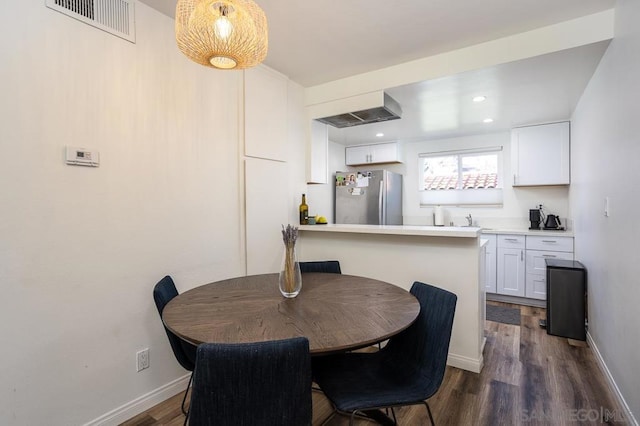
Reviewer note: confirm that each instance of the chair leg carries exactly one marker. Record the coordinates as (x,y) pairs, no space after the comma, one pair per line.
(184,398)
(353,415)
(430,415)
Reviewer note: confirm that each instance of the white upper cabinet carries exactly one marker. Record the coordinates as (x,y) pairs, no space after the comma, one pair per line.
(265,114)
(540,154)
(373,154)
(356,154)
(318,153)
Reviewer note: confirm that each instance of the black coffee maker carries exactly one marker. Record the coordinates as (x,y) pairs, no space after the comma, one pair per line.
(535,217)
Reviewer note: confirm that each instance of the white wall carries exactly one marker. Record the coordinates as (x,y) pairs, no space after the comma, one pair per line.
(81,248)
(605,154)
(449,263)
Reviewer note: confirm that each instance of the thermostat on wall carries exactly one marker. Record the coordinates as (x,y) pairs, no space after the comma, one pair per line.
(82,157)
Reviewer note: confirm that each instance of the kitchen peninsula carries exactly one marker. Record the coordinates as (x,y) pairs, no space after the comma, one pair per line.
(447,257)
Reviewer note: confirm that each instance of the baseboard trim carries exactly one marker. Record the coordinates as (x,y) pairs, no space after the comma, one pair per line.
(612,383)
(141,404)
(465,363)
(516,300)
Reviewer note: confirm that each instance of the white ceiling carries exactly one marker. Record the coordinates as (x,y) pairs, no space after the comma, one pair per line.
(313,42)
(542,89)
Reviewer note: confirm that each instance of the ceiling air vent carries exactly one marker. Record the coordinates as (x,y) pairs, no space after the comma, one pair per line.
(113,16)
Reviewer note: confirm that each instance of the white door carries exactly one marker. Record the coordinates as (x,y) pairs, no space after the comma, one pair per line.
(357,155)
(540,154)
(511,272)
(265,114)
(267,209)
(384,153)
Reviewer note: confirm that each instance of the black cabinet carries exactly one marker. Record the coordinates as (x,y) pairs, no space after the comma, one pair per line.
(566,294)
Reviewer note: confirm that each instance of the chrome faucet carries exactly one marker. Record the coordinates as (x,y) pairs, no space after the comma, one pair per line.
(470,219)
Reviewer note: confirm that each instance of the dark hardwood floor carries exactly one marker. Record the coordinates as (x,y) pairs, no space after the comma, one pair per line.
(529,378)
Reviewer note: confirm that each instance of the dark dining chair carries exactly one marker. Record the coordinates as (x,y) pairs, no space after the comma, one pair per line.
(407,371)
(185,353)
(328,266)
(252,384)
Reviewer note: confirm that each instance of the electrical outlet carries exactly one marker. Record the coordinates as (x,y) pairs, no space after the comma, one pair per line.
(142,359)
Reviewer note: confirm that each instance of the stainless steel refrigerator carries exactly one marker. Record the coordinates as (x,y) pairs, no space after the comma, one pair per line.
(369,198)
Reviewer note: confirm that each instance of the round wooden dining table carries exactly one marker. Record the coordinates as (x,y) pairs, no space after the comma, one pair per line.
(335,312)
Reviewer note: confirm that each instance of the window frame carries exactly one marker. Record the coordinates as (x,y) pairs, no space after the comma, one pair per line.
(484,197)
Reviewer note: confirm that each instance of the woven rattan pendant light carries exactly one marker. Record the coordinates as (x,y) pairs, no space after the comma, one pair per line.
(224,34)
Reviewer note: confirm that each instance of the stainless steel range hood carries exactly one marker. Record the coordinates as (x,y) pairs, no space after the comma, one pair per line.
(388,110)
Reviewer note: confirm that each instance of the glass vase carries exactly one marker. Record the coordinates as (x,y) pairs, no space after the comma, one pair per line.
(290,279)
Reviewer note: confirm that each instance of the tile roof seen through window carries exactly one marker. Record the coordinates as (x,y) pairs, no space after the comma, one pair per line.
(469,181)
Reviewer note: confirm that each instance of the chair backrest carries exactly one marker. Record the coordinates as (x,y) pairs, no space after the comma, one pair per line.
(261,384)
(185,353)
(328,266)
(422,348)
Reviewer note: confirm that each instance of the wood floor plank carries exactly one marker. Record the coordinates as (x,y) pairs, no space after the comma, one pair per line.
(529,378)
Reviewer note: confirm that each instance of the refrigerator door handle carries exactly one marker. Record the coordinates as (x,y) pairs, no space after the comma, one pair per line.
(381,215)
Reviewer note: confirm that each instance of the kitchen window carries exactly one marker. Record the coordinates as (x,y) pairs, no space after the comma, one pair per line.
(462,177)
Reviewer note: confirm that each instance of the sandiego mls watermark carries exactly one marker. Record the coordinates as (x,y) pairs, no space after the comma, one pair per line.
(602,415)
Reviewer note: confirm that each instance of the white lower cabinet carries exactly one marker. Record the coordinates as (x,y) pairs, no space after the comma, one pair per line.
(511,265)
(516,264)
(539,249)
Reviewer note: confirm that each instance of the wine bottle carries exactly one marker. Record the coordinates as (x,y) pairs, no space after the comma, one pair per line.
(304,211)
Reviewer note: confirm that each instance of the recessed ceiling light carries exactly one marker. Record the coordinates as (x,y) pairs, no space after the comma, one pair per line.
(379,135)
(488,120)
(479,98)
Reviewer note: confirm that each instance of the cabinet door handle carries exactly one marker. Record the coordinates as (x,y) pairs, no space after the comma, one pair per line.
(548,255)
(549,241)
(521,254)
(511,239)
(514,179)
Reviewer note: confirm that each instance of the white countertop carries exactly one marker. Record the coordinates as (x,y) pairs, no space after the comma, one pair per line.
(425,231)
(520,231)
(431,231)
